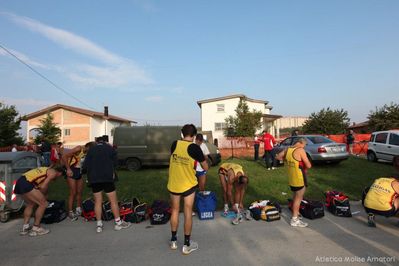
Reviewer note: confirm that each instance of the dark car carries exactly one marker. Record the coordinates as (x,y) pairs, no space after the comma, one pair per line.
(319,148)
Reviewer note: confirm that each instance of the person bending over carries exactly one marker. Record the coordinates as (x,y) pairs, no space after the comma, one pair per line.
(232,175)
(382,197)
(33,187)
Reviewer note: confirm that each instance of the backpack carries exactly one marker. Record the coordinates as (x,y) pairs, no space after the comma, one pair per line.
(55,212)
(205,203)
(311,209)
(266,210)
(159,212)
(338,203)
(107,214)
(88,210)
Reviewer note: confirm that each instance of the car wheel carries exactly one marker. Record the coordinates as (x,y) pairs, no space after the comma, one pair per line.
(133,164)
(371,156)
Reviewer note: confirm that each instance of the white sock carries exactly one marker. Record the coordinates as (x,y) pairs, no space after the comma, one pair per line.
(118,221)
(26,226)
(100,223)
(294,218)
(78,209)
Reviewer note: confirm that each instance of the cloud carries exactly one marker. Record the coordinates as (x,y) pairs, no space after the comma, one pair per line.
(23,57)
(154,99)
(147,5)
(115,70)
(25,102)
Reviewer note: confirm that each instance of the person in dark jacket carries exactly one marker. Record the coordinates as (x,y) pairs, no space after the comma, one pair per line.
(99,164)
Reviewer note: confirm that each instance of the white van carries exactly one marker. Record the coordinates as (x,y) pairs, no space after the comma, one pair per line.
(383,145)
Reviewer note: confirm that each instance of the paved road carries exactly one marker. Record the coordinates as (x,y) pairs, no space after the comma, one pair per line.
(342,240)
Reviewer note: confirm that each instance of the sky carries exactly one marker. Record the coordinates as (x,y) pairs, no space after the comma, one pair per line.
(151,61)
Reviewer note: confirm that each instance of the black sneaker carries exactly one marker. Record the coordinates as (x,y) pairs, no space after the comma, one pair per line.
(370,220)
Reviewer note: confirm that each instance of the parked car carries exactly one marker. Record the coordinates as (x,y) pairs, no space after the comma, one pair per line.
(150,145)
(319,148)
(383,145)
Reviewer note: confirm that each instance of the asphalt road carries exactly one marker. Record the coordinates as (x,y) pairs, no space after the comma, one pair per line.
(329,240)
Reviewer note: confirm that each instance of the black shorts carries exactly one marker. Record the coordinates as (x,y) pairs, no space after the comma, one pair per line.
(185,193)
(391,212)
(107,187)
(77,174)
(296,188)
(23,186)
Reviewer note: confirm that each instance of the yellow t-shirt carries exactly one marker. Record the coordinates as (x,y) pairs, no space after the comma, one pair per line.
(296,173)
(181,169)
(224,168)
(36,176)
(381,195)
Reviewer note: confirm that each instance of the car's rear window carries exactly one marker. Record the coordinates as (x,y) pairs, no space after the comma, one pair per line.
(319,140)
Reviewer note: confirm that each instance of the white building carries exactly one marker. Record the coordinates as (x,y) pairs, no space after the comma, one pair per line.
(215,111)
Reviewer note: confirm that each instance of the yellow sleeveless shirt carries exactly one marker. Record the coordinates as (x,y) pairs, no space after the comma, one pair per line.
(224,168)
(75,159)
(36,176)
(181,169)
(295,173)
(381,195)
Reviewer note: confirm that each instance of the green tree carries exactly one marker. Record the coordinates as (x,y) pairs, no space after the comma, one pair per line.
(245,123)
(327,121)
(48,130)
(384,118)
(10,123)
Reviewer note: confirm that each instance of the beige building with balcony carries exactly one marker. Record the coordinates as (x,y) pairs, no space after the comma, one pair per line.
(78,126)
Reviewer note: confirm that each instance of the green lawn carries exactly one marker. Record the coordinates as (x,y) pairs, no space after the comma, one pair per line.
(350,176)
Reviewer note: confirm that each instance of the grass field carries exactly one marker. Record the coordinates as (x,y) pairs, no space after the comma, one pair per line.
(349,176)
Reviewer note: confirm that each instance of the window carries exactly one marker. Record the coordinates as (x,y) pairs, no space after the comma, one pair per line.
(220,107)
(220,126)
(381,138)
(394,139)
(67,132)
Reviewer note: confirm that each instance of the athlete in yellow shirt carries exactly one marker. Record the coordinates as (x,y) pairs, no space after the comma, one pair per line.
(232,175)
(297,164)
(383,196)
(33,186)
(182,183)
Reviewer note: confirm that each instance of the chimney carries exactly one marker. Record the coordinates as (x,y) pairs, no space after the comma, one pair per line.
(106,111)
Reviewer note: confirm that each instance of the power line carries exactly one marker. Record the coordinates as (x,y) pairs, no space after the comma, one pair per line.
(45,78)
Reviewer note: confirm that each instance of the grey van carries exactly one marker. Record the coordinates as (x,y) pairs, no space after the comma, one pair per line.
(150,145)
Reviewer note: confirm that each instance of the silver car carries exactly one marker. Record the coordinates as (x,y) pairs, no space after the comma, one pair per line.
(319,148)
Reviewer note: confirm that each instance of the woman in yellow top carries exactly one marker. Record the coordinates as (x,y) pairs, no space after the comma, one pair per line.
(297,163)
(383,196)
(232,175)
(33,186)
(72,160)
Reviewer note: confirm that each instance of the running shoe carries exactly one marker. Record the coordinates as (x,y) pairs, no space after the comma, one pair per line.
(72,216)
(99,228)
(298,223)
(122,225)
(173,245)
(25,230)
(370,220)
(188,249)
(38,231)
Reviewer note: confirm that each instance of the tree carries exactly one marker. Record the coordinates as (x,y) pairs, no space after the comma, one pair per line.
(384,118)
(245,123)
(9,126)
(327,121)
(48,130)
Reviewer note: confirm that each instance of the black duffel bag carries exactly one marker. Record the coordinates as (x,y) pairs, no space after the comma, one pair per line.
(159,212)
(310,209)
(55,212)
